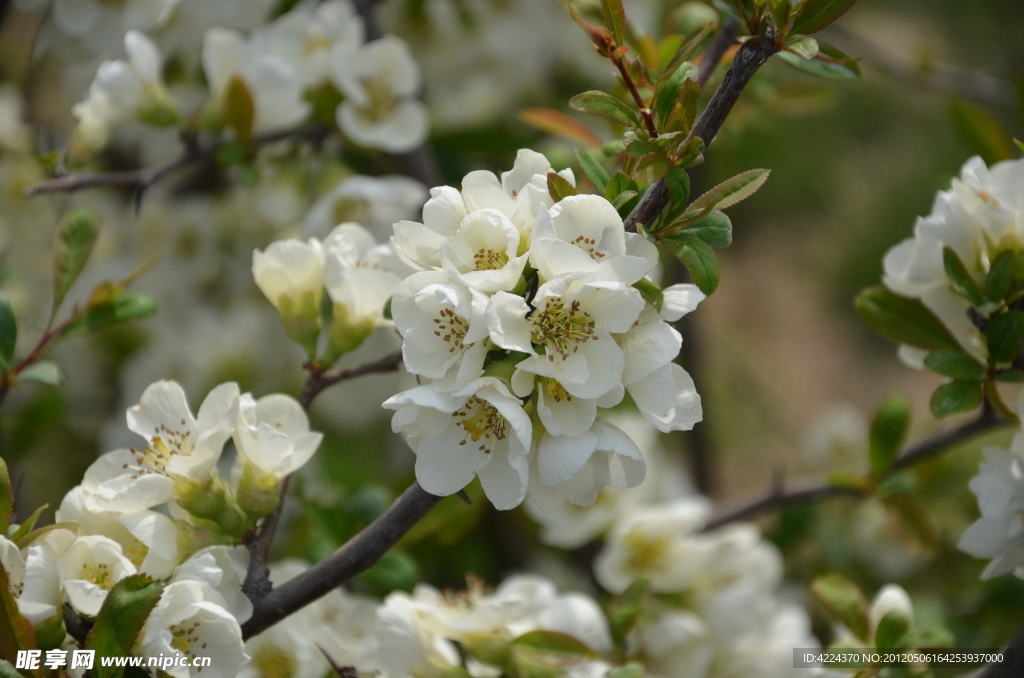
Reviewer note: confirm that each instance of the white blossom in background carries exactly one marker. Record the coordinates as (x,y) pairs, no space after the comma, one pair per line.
(123,91)
(273,86)
(979,217)
(99,24)
(374,202)
(222,569)
(998,534)
(380,81)
(304,38)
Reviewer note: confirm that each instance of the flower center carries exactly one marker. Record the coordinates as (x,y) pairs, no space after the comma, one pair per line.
(452,329)
(136,552)
(315,44)
(351,208)
(381,101)
(562,328)
(98,574)
(184,636)
(489,260)
(588,245)
(164,445)
(645,552)
(482,423)
(271,661)
(555,390)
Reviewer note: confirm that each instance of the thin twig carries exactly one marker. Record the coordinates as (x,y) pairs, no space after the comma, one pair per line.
(780,497)
(356,556)
(750,57)
(257,577)
(627,79)
(724,39)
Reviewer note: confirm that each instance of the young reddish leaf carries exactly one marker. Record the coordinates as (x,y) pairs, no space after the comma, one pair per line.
(615,19)
(560,125)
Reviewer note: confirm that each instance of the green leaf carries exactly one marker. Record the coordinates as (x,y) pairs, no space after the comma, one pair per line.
(730,191)
(8,332)
(956,396)
(669,89)
(903,320)
(1010,376)
(44,372)
(650,292)
(559,187)
(72,244)
(623,198)
(6,498)
(687,49)
(685,110)
(888,431)
(123,308)
(120,620)
(606,106)
(625,610)
(619,183)
(803,46)
(615,19)
(552,642)
(780,14)
(395,571)
(678,183)
(982,132)
(15,631)
(698,258)
(814,15)
(960,276)
(927,637)
(891,629)
(1005,336)
(652,167)
(829,63)
(593,169)
(715,229)
(239,111)
(1000,277)
(29,524)
(844,601)
(7,670)
(955,364)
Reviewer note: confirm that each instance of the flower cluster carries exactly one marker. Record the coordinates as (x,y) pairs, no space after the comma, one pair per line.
(270,80)
(531,317)
(359,276)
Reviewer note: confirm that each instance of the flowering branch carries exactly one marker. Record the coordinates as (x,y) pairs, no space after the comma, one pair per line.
(750,57)
(779,497)
(645,111)
(257,577)
(361,552)
(33,356)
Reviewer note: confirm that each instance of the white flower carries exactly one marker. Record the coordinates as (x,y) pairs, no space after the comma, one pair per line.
(519,195)
(290,273)
(303,38)
(481,430)
(577,468)
(88,569)
(274,88)
(374,202)
(189,619)
(572,322)
(273,436)
(123,90)
(40,597)
(82,18)
(148,539)
(179,447)
(484,252)
(999,533)
(981,216)
(443,326)
(406,647)
(223,569)
(380,80)
(583,231)
(360,276)
(891,598)
(14,565)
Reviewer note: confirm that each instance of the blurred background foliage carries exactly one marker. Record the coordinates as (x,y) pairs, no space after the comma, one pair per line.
(787,372)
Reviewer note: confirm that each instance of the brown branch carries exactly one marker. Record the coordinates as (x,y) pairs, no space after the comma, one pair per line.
(780,497)
(724,39)
(318,381)
(142,179)
(750,57)
(645,112)
(356,556)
